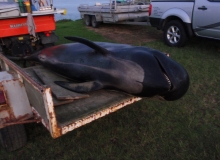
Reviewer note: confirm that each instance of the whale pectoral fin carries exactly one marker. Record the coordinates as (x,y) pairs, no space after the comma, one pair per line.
(80,87)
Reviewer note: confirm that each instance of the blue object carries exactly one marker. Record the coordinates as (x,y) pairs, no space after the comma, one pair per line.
(33,8)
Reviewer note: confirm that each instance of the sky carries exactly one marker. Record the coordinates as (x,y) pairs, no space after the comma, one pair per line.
(71,6)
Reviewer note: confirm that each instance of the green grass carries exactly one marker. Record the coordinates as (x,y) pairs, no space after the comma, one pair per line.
(75,28)
(188,128)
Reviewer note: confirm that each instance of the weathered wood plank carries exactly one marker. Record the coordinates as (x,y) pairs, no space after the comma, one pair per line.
(60,93)
(97,101)
(59,103)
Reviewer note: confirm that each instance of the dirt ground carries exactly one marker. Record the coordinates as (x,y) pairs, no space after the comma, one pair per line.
(128,34)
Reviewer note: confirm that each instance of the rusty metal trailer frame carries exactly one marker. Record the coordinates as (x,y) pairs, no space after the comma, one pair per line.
(52,117)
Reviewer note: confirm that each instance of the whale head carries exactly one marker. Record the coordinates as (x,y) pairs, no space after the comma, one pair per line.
(175,75)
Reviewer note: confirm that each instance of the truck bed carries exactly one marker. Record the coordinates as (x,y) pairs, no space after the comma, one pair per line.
(59,115)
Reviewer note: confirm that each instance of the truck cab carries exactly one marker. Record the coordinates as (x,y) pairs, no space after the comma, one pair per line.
(180,20)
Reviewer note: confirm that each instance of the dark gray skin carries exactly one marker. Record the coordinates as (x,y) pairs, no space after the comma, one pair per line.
(139,71)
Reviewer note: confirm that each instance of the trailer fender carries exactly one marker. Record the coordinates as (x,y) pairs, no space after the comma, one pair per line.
(97,16)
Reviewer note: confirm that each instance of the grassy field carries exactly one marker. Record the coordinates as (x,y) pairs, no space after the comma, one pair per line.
(188,128)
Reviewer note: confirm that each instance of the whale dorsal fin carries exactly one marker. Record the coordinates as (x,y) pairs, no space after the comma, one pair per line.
(90,44)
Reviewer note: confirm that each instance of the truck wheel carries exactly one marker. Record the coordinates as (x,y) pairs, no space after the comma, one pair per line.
(174,34)
(95,24)
(13,137)
(87,20)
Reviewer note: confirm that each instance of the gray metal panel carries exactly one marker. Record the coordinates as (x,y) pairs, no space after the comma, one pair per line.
(8,5)
(34,90)
(206,22)
(36,100)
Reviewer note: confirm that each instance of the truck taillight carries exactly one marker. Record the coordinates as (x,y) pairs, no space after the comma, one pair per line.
(2,98)
(150,9)
(47,34)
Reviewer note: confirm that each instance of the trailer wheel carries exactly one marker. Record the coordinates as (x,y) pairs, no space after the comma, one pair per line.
(13,137)
(95,24)
(174,34)
(87,19)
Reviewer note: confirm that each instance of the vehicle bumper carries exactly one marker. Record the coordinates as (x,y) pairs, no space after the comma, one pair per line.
(156,22)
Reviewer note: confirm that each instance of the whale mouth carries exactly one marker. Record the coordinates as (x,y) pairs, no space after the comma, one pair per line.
(174,76)
(168,80)
(165,75)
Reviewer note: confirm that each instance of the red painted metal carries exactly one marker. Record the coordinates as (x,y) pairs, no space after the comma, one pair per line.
(18,26)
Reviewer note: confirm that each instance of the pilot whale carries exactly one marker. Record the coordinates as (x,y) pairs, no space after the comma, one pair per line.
(139,71)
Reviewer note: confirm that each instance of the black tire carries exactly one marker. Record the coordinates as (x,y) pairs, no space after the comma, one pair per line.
(95,24)
(87,19)
(13,137)
(174,34)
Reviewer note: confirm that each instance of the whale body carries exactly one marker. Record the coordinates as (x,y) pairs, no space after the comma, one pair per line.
(139,71)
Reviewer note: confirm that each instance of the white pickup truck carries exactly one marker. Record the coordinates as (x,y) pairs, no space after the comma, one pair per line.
(180,19)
